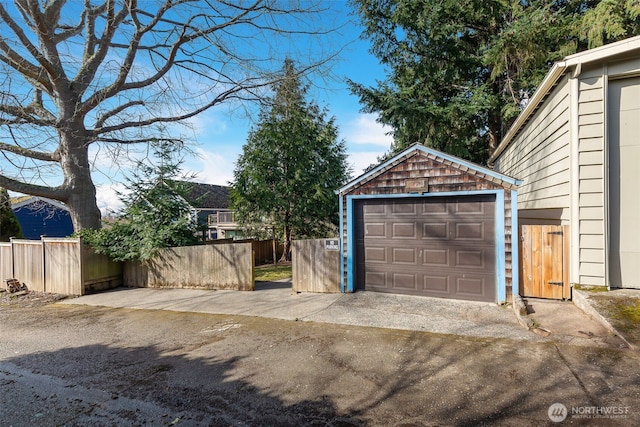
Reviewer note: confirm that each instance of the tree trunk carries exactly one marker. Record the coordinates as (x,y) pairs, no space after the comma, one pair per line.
(286,252)
(83,207)
(78,185)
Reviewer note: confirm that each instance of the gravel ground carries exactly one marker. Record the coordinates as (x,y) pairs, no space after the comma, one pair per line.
(28,299)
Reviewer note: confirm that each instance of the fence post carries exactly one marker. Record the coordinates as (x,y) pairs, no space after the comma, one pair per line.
(13,262)
(81,258)
(44,264)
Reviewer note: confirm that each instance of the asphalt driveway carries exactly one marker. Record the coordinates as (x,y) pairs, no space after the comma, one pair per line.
(82,365)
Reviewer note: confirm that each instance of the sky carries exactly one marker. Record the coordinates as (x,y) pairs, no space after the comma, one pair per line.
(221,134)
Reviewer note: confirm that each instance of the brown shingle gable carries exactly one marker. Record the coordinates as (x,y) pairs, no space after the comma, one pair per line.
(208,196)
(423,161)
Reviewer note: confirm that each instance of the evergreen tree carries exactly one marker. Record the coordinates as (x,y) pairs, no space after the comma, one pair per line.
(156,215)
(9,225)
(460,72)
(290,167)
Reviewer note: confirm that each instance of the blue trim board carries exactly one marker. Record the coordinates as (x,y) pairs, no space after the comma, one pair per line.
(501,281)
(409,195)
(499,233)
(515,245)
(341,228)
(350,246)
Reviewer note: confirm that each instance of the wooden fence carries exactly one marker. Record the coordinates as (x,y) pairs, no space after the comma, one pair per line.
(263,249)
(315,265)
(216,266)
(58,265)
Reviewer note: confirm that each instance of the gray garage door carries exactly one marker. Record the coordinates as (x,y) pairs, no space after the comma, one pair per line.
(431,246)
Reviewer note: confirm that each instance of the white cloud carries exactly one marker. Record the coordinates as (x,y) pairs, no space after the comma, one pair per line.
(362,160)
(107,198)
(207,123)
(213,168)
(365,130)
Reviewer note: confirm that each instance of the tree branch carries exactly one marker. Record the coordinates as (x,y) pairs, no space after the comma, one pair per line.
(57,193)
(229,94)
(32,154)
(49,67)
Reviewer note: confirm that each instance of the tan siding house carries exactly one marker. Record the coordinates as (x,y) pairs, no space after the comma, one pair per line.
(576,147)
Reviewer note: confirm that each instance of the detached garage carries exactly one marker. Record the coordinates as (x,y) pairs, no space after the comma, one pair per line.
(431,224)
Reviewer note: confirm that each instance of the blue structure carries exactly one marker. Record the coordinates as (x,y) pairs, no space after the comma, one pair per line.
(42,217)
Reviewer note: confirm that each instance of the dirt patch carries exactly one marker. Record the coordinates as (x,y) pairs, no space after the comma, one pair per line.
(622,311)
(28,299)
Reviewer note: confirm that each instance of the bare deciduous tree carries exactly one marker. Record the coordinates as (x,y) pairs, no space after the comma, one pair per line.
(115,73)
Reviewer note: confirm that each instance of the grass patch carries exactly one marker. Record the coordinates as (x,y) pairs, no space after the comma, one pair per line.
(271,273)
(628,312)
(591,288)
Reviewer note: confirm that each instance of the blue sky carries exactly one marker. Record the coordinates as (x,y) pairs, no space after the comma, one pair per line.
(221,133)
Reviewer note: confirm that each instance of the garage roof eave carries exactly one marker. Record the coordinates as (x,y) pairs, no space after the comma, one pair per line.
(414,149)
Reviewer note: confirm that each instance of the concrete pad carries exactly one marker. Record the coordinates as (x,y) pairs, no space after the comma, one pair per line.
(277,303)
(568,323)
(276,300)
(426,314)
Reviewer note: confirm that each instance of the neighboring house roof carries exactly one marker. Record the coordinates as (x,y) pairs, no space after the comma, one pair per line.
(208,196)
(39,216)
(456,162)
(558,70)
(20,201)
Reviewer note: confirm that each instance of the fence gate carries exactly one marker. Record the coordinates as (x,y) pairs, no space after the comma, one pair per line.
(544,263)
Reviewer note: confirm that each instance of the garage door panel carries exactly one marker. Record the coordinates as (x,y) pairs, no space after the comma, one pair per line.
(403,230)
(470,259)
(471,287)
(436,284)
(399,208)
(470,231)
(374,254)
(373,209)
(435,208)
(446,248)
(435,230)
(406,256)
(375,229)
(469,208)
(435,257)
(404,281)
(376,279)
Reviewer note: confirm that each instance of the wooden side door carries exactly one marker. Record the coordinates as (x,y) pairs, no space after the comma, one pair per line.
(544,267)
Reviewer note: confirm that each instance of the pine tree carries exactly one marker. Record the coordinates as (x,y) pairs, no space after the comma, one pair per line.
(9,225)
(460,72)
(156,212)
(290,167)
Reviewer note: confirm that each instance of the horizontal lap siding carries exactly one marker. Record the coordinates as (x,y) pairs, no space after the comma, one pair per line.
(591,159)
(539,155)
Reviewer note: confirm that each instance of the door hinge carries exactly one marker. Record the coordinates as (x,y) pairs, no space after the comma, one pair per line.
(559,233)
(556,283)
